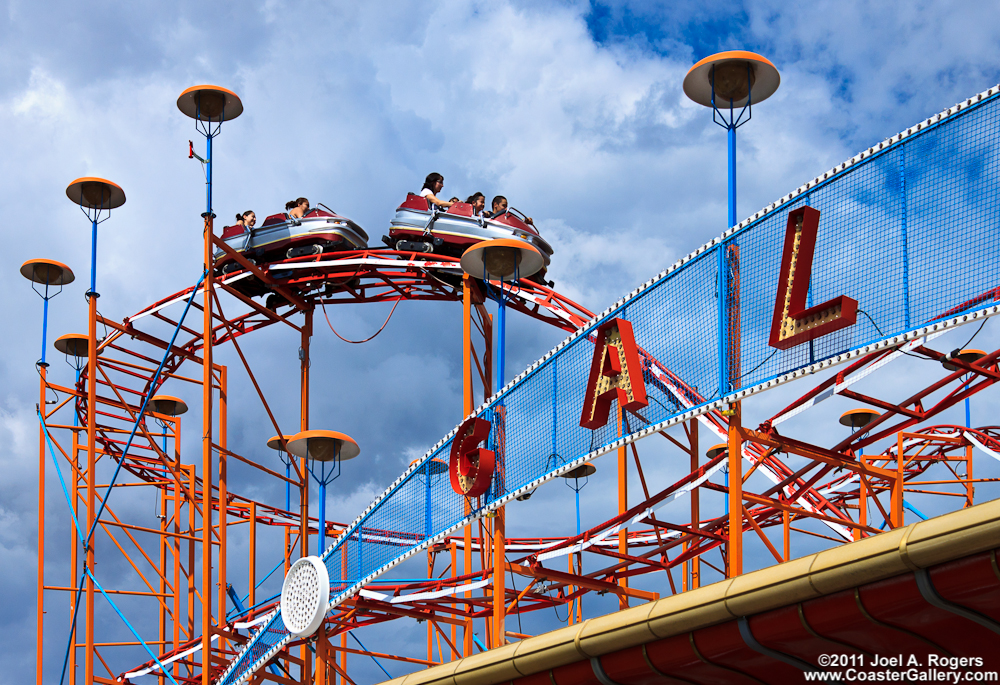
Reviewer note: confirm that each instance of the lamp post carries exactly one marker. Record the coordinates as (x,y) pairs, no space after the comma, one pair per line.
(75,347)
(969,356)
(431,472)
(856,419)
(584,471)
(47,274)
(165,405)
(96,197)
(209,106)
(727,82)
(503,260)
(329,449)
(279,443)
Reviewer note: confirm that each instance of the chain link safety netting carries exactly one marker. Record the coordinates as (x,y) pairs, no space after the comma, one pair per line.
(907,228)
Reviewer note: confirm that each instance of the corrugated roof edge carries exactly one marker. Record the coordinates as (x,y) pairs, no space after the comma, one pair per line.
(920,545)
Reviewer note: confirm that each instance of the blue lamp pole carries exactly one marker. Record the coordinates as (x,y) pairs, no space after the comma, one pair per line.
(96,197)
(329,448)
(730,83)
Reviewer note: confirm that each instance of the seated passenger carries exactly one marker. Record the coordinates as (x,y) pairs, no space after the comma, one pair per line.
(478,202)
(453,200)
(433,184)
(500,206)
(247,219)
(297,208)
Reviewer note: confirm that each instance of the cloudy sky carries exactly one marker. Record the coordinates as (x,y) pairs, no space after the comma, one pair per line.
(572,110)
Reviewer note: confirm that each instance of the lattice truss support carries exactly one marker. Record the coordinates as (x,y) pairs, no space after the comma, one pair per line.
(781,490)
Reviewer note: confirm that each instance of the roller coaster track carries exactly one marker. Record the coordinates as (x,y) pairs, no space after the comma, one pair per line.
(298,285)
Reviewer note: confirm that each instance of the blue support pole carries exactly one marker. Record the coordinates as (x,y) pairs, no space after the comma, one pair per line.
(731,129)
(208,173)
(45,321)
(968,407)
(76,418)
(721,338)
(428,527)
(321,540)
(502,335)
(577,490)
(288,486)
(93,257)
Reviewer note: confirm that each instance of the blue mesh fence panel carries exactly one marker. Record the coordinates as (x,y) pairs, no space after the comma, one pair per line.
(910,231)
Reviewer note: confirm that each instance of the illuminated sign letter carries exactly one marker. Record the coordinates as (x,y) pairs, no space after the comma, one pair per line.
(471,467)
(615,372)
(793,324)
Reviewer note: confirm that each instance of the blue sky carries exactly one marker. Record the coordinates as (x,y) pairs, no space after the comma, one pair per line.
(572,110)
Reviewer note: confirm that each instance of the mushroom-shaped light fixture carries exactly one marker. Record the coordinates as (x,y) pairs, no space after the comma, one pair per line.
(323,445)
(858,418)
(166,405)
(715,450)
(969,356)
(737,75)
(210,104)
(503,259)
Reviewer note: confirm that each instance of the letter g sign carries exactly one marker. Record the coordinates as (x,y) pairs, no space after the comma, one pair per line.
(471,467)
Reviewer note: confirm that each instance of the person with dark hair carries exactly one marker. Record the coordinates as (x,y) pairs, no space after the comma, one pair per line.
(453,200)
(478,202)
(297,208)
(497,207)
(433,185)
(500,207)
(247,219)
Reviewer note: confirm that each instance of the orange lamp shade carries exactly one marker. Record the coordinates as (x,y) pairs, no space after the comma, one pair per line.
(95,193)
(738,75)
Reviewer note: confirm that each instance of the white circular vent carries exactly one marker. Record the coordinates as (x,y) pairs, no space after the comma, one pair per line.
(304,596)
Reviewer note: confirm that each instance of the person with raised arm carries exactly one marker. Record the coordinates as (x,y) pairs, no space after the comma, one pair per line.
(434,184)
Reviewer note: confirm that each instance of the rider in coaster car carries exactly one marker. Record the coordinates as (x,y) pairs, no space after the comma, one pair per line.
(499,207)
(433,184)
(297,208)
(247,219)
(478,202)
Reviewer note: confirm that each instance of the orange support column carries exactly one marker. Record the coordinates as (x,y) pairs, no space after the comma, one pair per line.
(734,552)
(467,407)
(896,500)
(304,426)
(343,657)
(622,507)
(862,503)
(786,525)
(499,577)
(223,497)
(88,657)
(74,571)
(39,621)
(252,561)
(321,656)
(206,459)
(970,489)
(695,502)
(304,499)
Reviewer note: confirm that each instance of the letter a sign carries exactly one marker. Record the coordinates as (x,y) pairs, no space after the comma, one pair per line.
(615,372)
(793,324)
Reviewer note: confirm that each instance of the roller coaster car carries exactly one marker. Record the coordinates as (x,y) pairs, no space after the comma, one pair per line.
(281,237)
(420,227)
